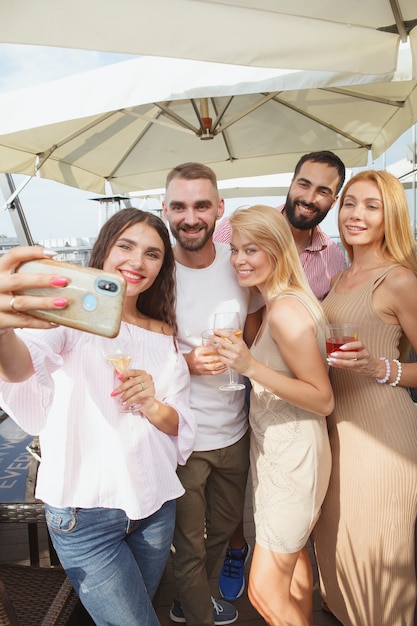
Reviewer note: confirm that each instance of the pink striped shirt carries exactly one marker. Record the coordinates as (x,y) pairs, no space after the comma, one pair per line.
(321,260)
(92,454)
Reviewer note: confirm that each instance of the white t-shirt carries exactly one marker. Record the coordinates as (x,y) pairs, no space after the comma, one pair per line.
(221,415)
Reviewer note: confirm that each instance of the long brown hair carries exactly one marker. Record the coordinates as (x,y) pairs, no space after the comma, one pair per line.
(158,301)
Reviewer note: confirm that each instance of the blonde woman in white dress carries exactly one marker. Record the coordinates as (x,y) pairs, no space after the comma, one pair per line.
(290,398)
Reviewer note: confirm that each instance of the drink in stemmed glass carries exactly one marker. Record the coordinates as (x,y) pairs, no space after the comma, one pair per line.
(230,320)
(116,352)
(120,362)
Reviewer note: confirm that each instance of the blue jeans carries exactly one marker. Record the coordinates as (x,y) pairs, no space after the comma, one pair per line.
(114,564)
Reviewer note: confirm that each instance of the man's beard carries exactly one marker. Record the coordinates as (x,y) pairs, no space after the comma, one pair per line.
(193,245)
(302,222)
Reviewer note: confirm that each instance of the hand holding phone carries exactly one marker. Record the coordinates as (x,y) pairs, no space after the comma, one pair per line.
(95,298)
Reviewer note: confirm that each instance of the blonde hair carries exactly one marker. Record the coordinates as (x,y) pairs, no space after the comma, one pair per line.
(398,243)
(268,229)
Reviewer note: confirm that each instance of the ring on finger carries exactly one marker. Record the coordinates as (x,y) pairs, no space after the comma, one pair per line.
(142,386)
(11,305)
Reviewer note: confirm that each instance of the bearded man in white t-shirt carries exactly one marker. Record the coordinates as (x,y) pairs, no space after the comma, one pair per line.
(215,475)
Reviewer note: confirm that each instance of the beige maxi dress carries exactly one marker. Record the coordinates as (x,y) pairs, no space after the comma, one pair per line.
(364,539)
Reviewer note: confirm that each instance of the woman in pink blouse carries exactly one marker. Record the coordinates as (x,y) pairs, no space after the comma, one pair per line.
(108,478)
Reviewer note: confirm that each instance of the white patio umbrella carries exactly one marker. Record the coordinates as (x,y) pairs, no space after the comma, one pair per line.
(357,36)
(129,124)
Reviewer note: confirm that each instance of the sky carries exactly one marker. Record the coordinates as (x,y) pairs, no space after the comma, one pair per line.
(53,210)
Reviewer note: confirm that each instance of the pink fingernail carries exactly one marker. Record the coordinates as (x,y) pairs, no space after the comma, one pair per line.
(59,281)
(120,376)
(114,393)
(60,302)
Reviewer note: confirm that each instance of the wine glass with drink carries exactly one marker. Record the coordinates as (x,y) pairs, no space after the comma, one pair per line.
(230,320)
(117,352)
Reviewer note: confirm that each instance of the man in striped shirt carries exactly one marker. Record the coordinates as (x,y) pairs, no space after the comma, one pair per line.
(317,181)
(318,178)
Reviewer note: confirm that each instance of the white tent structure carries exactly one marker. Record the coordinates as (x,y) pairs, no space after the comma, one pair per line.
(357,36)
(122,128)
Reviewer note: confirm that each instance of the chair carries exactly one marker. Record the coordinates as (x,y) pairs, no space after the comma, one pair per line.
(31,511)
(35,596)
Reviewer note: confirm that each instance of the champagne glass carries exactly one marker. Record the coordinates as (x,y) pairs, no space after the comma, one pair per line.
(117,352)
(230,320)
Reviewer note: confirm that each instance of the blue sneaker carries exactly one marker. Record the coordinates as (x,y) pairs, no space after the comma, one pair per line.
(232,577)
(223,612)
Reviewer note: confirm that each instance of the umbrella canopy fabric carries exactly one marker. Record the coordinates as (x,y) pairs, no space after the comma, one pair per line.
(356,36)
(117,125)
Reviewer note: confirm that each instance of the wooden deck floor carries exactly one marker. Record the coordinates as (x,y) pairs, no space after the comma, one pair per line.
(14,548)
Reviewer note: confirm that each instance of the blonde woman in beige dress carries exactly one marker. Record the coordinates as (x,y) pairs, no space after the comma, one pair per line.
(364,539)
(291,395)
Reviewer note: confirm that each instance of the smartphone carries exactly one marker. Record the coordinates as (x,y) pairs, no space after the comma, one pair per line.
(95,297)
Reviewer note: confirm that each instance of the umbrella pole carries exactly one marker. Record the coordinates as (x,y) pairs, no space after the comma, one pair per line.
(14,206)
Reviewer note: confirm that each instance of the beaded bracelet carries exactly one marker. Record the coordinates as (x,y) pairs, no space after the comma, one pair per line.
(399,372)
(384,380)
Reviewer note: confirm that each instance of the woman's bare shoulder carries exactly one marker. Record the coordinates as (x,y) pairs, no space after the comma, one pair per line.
(157,326)
(400,279)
